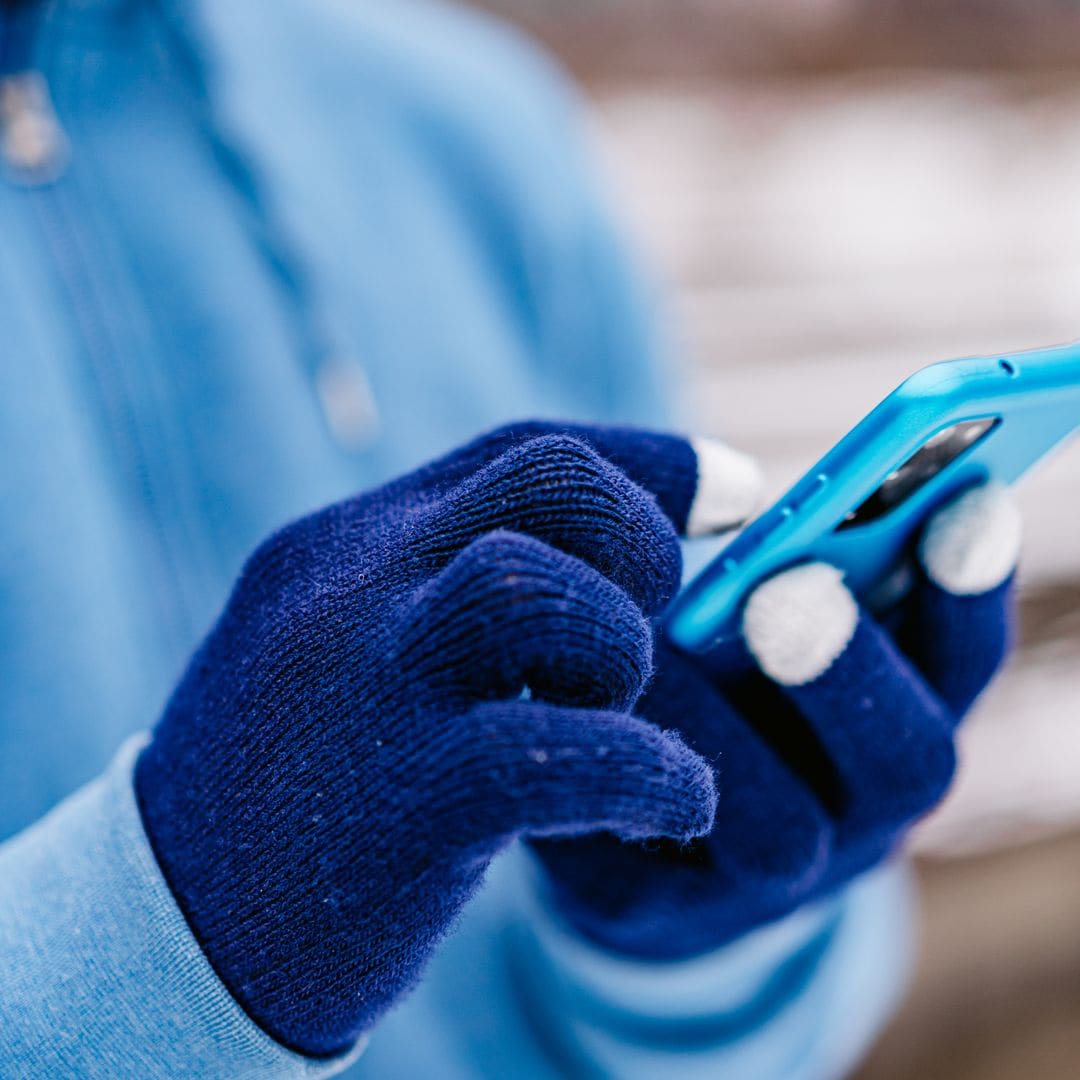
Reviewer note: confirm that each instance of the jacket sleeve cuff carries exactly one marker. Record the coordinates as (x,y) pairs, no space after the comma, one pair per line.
(101,974)
(800,998)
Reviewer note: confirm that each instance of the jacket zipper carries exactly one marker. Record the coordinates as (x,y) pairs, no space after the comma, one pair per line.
(35,152)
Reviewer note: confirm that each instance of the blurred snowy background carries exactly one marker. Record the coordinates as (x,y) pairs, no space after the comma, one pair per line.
(834,193)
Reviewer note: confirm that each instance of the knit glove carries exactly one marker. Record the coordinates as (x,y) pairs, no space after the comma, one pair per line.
(352,744)
(830,733)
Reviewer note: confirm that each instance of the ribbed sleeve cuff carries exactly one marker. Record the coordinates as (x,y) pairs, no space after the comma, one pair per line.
(101,976)
(800,998)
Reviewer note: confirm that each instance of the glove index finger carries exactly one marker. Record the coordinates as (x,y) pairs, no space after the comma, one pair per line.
(702,485)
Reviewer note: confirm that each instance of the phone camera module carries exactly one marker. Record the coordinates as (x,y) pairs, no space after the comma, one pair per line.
(930,460)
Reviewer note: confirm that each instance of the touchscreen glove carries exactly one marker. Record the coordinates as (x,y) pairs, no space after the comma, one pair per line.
(352,744)
(830,733)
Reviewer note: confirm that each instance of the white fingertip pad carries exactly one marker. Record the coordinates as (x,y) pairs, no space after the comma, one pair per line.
(728,488)
(972,545)
(797,623)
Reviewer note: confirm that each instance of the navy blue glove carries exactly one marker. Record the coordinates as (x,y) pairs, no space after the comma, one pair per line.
(830,735)
(351,745)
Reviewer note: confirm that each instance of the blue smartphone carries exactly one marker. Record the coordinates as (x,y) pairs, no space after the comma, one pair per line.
(947,427)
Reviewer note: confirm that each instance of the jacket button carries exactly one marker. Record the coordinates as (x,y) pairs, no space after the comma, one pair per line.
(32,142)
(348,403)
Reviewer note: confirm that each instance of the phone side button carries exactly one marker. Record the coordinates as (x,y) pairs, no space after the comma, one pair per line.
(809,489)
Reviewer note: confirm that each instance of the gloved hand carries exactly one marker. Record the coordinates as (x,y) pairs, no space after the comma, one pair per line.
(830,735)
(351,746)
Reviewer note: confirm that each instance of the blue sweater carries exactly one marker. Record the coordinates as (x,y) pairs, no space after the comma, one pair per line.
(276,252)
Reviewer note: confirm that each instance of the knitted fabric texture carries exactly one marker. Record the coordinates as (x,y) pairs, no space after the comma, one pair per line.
(818,780)
(351,745)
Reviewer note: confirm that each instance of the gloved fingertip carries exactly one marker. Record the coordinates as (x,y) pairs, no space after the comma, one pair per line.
(799,622)
(681,796)
(973,544)
(728,488)
(699,796)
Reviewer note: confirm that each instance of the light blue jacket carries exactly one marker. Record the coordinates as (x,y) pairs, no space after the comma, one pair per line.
(254,255)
